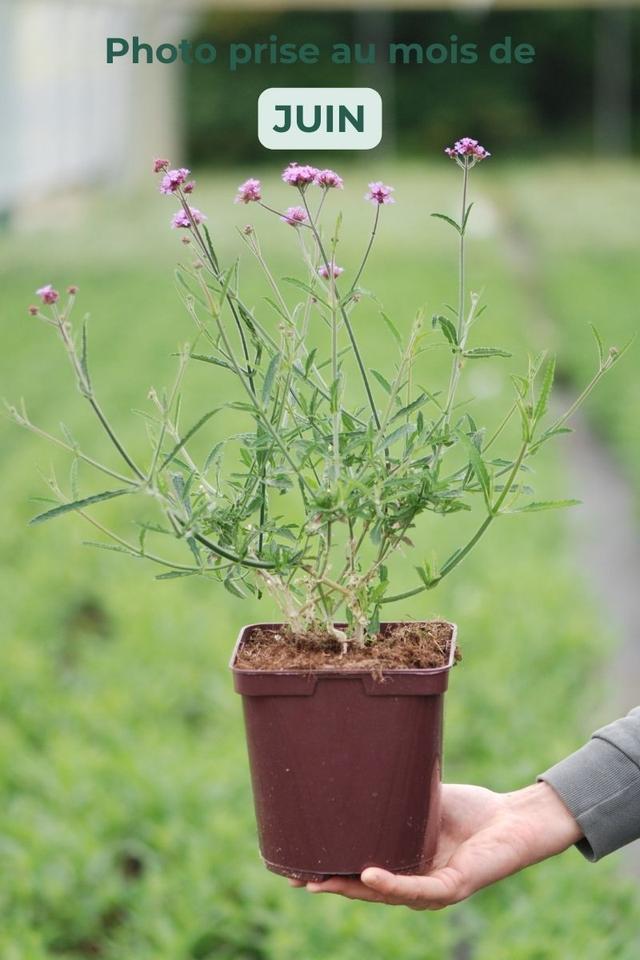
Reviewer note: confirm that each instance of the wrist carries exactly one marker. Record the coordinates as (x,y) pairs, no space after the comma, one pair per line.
(542,820)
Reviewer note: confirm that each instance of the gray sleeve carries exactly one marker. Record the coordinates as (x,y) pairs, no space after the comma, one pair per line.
(600,785)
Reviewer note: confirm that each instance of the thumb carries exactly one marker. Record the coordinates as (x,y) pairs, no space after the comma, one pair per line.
(438,889)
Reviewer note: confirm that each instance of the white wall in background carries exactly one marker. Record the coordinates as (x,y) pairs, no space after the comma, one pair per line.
(67,118)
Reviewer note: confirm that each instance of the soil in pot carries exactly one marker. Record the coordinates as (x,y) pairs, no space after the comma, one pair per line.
(398,646)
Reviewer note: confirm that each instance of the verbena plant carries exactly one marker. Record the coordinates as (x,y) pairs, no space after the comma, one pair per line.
(354,476)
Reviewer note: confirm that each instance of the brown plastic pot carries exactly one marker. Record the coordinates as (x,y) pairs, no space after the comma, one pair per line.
(345,767)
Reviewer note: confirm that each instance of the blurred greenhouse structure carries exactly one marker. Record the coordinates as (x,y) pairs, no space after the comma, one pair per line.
(69,119)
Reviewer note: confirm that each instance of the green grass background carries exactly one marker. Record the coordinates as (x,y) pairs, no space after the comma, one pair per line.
(127,826)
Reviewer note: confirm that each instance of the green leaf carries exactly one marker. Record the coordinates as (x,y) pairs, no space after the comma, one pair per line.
(195,296)
(212,254)
(270,376)
(71,440)
(79,504)
(545,391)
(247,316)
(448,329)
(537,505)
(478,352)
(84,354)
(188,435)
(599,343)
(452,223)
(466,217)
(384,383)
(392,328)
(478,467)
(554,432)
(411,407)
(227,277)
(309,362)
(174,574)
(232,588)
(521,384)
(310,291)
(73,477)
(428,574)
(212,456)
(111,546)
(276,306)
(206,358)
(403,431)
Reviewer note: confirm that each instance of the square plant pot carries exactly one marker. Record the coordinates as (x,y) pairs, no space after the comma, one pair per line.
(345,765)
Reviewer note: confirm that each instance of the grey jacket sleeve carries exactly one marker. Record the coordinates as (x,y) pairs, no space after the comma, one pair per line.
(600,785)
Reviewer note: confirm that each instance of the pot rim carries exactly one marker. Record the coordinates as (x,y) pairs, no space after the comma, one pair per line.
(336,671)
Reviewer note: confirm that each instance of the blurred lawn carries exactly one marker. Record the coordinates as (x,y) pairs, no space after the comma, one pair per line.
(128,828)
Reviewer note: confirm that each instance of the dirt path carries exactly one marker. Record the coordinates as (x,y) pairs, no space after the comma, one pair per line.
(606,537)
(607,541)
(605,531)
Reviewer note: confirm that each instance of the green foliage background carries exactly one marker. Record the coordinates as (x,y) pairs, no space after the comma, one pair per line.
(127,829)
(514,108)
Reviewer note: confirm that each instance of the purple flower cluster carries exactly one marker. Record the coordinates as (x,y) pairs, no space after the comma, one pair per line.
(48,294)
(302,176)
(299,176)
(328,179)
(379,193)
(249,192)
(174,179)
(295,175)
(185,220)
(466,149)
(294,216)
(177,182)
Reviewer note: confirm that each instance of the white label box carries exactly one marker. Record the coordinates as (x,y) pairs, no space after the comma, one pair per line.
(319,118)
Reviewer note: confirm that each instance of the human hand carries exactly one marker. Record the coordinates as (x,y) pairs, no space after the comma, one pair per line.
(484,837)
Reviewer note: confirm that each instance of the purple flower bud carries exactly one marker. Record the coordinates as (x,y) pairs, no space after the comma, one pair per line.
(335,270)
(48,294)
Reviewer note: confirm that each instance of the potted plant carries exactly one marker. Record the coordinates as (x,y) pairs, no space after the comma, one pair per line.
(335,463)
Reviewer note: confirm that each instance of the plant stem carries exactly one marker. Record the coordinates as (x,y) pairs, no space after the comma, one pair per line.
(23,421)
(604,367)
(345,317)
(239,373)
(228,555)
(87,392)
(142,555)
(461,277)
(367,251)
